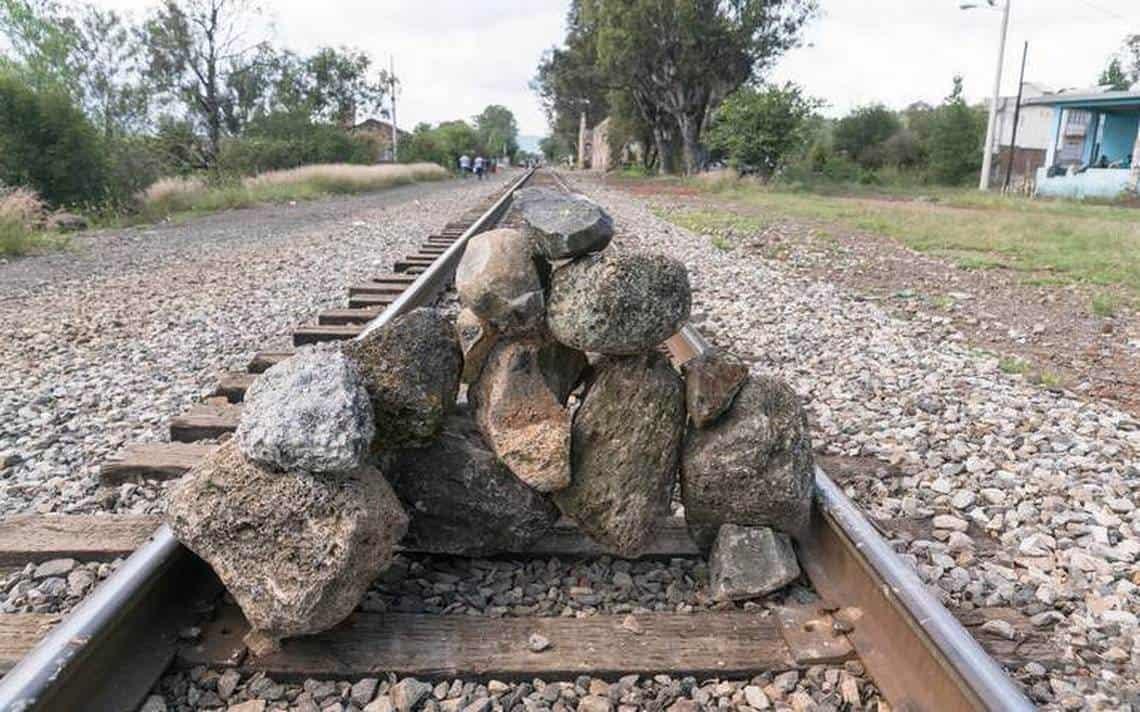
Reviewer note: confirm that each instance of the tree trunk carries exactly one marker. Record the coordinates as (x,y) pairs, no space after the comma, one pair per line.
(693,152)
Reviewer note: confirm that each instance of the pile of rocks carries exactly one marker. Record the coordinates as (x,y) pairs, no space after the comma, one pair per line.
(342,452)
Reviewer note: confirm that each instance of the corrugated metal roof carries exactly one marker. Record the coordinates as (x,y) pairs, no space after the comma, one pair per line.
(1086,98)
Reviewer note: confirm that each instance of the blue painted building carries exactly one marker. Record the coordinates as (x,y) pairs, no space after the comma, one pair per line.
(1109,153)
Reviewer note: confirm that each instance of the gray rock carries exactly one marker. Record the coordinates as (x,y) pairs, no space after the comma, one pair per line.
(411,369)
(563,226)
(625,447)
(753,467)
(383,703)
(519,405)
(537,642)
(297,551)
(54,567)
(712,381)
(364,690)
(463,500)
(408,693)
(476,339)
(618,303)
(310,412)
(499,281)
(747,562)
(66,222)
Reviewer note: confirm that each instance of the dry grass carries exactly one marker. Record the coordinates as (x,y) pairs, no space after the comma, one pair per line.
(170,196)
(22,216)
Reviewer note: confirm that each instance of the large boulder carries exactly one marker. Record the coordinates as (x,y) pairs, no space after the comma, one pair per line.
(712,381)
(499,280)
(411,369)
(562,226)
(476,339)
(625,447)
(747,562)
(618,303)
(752,467)
(463,501)
(296,550)
(310,412)
(519,404)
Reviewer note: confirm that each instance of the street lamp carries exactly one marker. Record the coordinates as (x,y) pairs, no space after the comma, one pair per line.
(987,158)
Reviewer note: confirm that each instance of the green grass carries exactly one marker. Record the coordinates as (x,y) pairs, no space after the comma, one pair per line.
(1071,242)
(1013,365)
(1106,305)
(17,240)
(721,243)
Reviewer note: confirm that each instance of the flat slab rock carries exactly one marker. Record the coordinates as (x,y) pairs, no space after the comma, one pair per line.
(297,551)
(625,447)
(712,381)
(562,226)
(620,304)
(311,413)
(748,562)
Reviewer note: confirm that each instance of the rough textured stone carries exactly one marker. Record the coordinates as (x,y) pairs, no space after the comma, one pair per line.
(712,381)
(563,226)
(499,281)
(519,404)
(310,412)
(476,339)
(296,550)
(618,303)
(747,562)
(463,500)
(411,368)
(625,446)
(752,467)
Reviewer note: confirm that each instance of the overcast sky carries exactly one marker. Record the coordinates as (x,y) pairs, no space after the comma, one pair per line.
(456,56)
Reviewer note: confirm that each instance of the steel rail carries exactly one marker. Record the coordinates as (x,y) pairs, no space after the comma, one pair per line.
(136,613)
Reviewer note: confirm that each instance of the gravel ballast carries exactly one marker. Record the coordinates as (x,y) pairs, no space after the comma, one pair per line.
(1046,479)
(105,343)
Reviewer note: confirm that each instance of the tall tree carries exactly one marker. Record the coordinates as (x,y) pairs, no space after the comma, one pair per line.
(957,136)
(498,131)
(195,47)
(1114,76)
(569,81)
(340,81)
(682,57)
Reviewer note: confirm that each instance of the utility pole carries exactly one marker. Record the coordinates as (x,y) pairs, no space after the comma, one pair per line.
(392,85)
(582,141)
(1016,118)
(988,158)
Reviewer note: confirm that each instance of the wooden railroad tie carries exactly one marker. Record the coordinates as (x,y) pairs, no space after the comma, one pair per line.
(320,334)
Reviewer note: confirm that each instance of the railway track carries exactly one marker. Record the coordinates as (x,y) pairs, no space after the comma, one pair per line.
(109,651)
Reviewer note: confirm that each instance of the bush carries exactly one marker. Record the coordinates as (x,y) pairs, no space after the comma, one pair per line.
(759,131)
(957,134)
(47,144)
(862,133)
(22,216)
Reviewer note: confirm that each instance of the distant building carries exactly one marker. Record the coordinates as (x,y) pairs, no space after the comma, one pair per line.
(379,134)
(1094,146)
(1034,129)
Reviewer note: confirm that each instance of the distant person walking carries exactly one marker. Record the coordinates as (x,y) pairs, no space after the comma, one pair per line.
(480,167)
(465,164)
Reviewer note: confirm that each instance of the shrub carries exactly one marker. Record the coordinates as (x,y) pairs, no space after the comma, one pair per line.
(22,215)
(47,144)
(861,133)
(957,133)
(759,131)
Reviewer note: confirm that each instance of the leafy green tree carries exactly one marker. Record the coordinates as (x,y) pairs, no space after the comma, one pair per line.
(957,134)
(1114,75)
(194,49)
(569,80)
(443,144)
(680,58)
(554,148)
(761,130)
(862,133)
(47,143)
(498,131)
